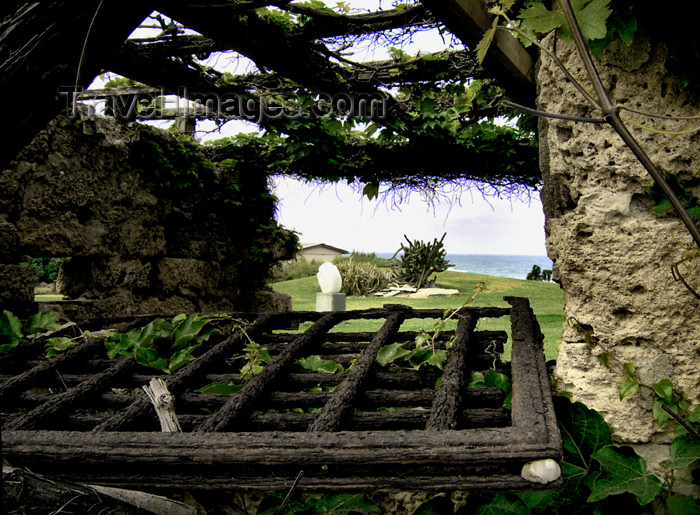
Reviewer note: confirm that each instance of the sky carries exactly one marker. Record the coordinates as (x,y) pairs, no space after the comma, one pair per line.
(338,215)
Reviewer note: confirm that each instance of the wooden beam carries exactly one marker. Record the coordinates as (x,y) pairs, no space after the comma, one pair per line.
(507,59)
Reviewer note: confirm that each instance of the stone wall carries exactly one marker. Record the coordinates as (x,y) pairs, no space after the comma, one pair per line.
(150,224)
(611,254)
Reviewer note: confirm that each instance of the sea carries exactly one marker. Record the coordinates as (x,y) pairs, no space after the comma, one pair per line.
(515,267)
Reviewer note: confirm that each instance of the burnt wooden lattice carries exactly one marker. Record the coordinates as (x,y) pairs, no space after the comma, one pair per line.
(81,416)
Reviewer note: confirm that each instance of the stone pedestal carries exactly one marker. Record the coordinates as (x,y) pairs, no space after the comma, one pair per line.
(330,302)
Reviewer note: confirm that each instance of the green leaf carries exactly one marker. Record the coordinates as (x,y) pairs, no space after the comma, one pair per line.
(485,43)
(660,415)
(684,450)
(58,345)
(592,16)
(181,358)
(628,386)
(694,415)
(664,389)
(624,471)
(604,358)
(583,432)
(342,504)
(662,207)
(10,328)
(437,358)
(221,387)
(682,505)
(477,380)
(371,191)
(390,353)
(317,364)
(504,504)
(629,369)
(150,358)
(187,331)
(44,321)
(540,20)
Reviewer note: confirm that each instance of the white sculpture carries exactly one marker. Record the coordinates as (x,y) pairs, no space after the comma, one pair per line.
(541,471)
(329,278)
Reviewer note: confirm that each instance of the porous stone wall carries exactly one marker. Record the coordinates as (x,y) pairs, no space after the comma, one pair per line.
(612,254)
(150,224)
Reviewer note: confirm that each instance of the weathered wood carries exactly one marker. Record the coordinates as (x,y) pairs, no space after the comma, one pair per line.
(507,59)
(238,406)
(27,492)
(385,448)
(341,402)
(448,400)
(41,45)
(473,398)
(190,372)
(28,378)
(60,404)
(404,419)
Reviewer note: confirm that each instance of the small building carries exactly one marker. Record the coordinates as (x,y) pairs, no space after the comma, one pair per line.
(320,252)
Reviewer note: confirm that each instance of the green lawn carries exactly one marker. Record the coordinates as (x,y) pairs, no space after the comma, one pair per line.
(546,299)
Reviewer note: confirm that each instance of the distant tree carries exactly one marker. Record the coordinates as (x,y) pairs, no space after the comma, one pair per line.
(535,274)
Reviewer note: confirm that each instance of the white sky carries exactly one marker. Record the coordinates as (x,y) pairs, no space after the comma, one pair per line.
(338,215)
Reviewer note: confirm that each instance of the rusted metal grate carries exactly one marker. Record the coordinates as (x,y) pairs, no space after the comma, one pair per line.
(82,416)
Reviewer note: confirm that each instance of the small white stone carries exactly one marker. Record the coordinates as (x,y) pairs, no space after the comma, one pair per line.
(541,471)
(329,278)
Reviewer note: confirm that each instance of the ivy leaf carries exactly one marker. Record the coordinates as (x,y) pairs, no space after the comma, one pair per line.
(629,369)
(583,432)
(187,331)
(150,358)
(660,414)
(221,387)
(437,358)
(343,504)
(44,321)
(10,329)
(390,353)
(371,191)
(624,471)
(682,505)
(684,450)
(504,504)
(317,364)
(628,386)
(664,389)
(181,358)
(58,345)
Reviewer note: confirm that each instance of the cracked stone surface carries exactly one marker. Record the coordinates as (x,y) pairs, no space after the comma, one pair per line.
(611,254)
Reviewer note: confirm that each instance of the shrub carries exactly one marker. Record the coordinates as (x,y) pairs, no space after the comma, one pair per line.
(46,268)
(418,261)
(363,257)
(295,270)
(362,278)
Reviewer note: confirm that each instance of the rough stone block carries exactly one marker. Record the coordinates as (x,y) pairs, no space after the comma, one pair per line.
(330,302)
(17,289)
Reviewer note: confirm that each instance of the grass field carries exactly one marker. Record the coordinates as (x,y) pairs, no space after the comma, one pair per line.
(546,299)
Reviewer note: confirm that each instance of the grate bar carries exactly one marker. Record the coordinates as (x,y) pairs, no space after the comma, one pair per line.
(59,404)
(341,403)
(240,405)
(448,398)
(190,372)
(33,375)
